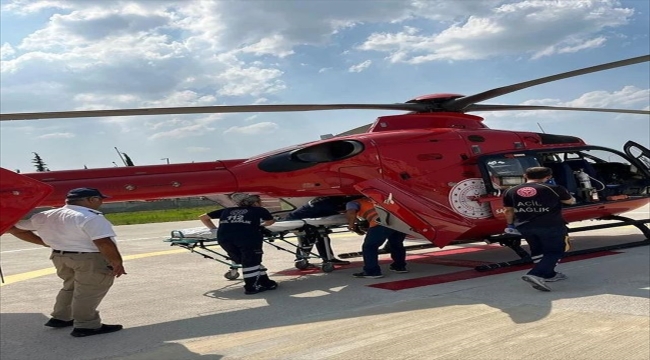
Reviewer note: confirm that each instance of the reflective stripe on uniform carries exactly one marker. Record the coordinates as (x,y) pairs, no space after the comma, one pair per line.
(252,271)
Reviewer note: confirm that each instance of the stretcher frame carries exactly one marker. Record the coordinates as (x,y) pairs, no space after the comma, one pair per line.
(313,233)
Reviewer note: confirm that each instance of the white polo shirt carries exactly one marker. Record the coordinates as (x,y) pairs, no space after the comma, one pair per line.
(70,228)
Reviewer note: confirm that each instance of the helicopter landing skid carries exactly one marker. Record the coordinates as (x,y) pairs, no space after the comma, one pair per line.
(514,242)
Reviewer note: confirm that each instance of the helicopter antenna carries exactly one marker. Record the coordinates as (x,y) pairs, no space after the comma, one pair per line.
(120,155)
(541,128)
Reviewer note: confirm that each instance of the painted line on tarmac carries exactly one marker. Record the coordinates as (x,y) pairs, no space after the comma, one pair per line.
(44,248)
(161,238)
(10,279)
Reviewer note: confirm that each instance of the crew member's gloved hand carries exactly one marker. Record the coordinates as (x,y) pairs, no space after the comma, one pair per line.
(266,232)
(511,229)
(355,228)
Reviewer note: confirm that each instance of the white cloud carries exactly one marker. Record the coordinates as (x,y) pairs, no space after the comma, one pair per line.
(183,132)
(254,129)
(250,81)
(360,67)
(30,6)
(6,51)
(629,97)
(133,55)
(540,28)
(183,98)
(273,45)
(57,135)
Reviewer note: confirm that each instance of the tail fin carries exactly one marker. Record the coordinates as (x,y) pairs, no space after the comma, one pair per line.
(18,196)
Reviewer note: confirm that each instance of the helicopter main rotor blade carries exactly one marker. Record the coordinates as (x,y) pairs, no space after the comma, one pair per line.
(209,110)
(462,103)
(486,107)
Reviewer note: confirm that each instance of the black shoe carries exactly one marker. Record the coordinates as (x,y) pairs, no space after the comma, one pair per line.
(104,329)
(367,276)
(336,261)
(56,323)
(255,290)
(401,270)
(537,282)
(270,285)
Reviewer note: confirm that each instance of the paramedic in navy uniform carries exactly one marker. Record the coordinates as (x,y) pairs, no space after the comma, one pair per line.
(535,210)
(84,254)
(240,235)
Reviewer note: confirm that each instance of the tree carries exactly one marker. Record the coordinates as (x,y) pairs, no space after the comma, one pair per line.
(127,159)
(39,164)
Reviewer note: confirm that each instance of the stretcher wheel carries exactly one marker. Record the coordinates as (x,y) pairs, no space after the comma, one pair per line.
(302,264)
(232,274)
(327,267)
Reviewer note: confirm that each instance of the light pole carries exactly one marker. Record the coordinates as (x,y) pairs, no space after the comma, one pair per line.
(166,159)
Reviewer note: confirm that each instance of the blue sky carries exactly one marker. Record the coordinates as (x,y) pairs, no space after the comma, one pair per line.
(70,55)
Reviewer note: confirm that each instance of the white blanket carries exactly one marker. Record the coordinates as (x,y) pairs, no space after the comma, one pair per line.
(279,226)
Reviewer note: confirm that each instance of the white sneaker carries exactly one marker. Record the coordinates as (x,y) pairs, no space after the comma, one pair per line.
(558,276)
(537,282)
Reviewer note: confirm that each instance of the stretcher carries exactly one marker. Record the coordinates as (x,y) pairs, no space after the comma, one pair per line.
(204,241)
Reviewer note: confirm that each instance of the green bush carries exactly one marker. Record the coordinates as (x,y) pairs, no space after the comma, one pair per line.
(157,216)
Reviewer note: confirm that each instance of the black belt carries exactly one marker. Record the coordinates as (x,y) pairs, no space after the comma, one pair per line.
(74,252)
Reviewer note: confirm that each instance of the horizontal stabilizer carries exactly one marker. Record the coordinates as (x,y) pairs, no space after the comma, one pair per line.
(18,196)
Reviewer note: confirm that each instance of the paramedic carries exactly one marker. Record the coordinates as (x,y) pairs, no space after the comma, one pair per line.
(375,236)
(84,254)
(535,210)
(240,235)
(316,208)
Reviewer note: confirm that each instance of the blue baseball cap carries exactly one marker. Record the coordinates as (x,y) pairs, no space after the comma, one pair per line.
(80,193)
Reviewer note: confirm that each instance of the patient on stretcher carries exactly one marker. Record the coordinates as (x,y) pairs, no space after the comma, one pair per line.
(321,207)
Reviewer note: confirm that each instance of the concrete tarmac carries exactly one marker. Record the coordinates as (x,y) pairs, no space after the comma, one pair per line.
(177,305)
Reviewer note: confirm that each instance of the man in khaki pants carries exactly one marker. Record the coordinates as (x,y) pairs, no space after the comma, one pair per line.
(85,256)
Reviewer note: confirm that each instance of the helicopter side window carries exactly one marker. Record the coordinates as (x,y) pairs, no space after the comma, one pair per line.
(509,171)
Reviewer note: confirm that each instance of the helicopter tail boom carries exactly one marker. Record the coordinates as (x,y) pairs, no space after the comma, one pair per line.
(21,193)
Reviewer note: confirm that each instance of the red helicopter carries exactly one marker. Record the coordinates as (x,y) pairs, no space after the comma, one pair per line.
(435,172)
